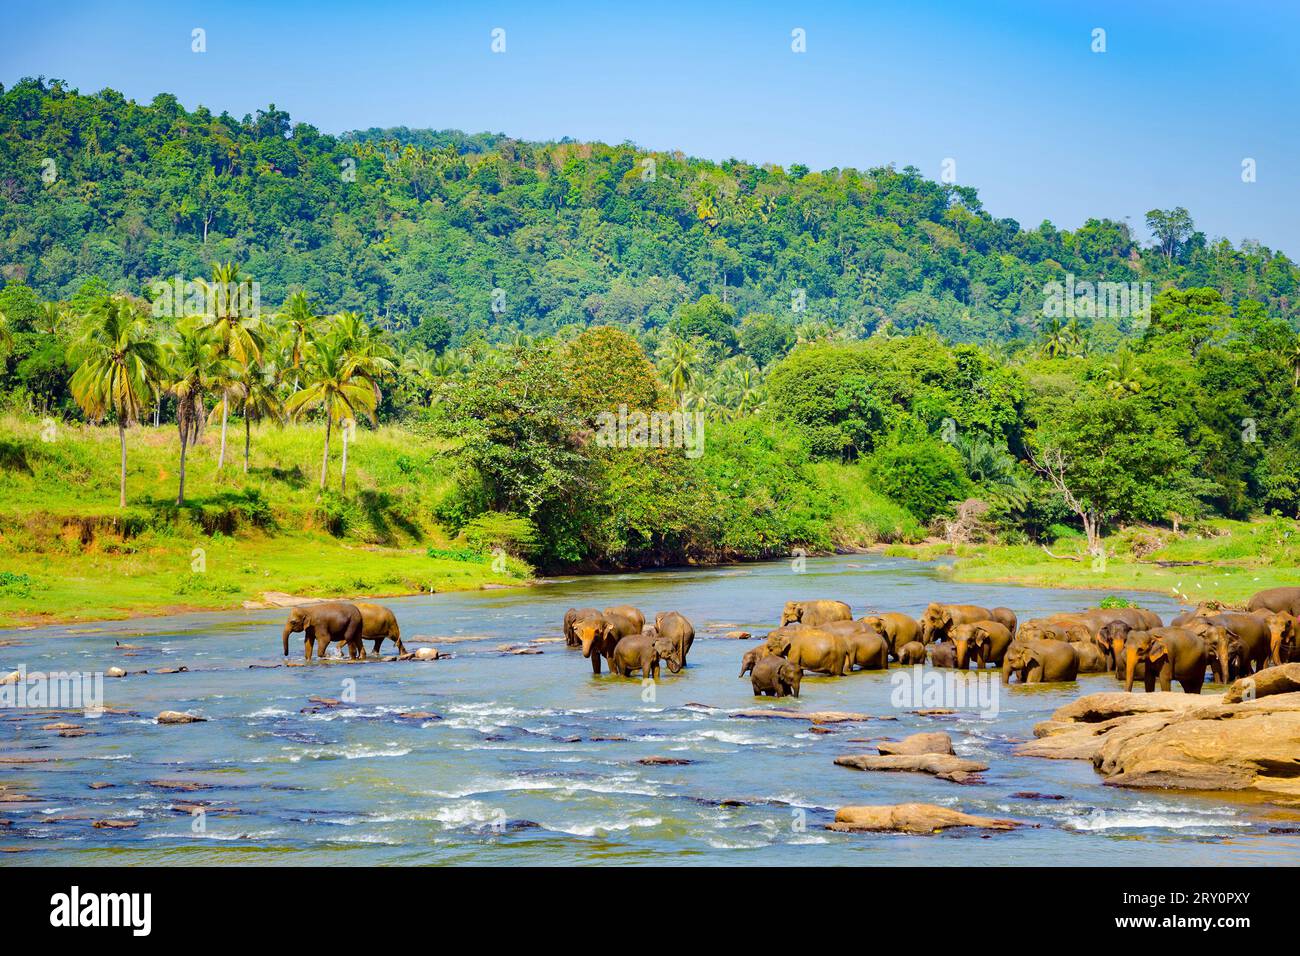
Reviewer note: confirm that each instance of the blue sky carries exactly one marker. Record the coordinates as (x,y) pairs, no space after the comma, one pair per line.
(1041,125)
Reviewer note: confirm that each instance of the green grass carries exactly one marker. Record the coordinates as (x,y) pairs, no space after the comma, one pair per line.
(1233,560)
(68,553)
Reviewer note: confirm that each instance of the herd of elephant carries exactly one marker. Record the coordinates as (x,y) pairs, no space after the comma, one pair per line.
(823,637)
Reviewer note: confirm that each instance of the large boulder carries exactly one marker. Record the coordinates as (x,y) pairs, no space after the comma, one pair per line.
(911,818)
(1184,741)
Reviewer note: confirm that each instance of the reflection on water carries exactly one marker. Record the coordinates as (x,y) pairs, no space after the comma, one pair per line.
(509,758)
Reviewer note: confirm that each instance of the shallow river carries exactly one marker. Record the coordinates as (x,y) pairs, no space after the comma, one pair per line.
(534,761)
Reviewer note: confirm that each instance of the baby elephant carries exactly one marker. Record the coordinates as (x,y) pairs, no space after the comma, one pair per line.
(378,622)
(913,652)
(643,652)
(776,677)
(943,654)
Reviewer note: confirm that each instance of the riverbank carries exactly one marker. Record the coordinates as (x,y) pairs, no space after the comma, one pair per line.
(1219,560)
(69,554)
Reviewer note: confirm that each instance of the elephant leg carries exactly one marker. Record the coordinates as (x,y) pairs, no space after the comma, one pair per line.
(1035,675)
(1149,681)
(307,646)
(595,663)
(654,671)
(322,645)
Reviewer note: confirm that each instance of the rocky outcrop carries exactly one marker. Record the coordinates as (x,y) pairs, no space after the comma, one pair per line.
(177,717)
(911,818)
(1247,739)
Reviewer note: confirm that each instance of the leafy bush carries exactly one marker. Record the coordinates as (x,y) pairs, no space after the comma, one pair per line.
(922,474)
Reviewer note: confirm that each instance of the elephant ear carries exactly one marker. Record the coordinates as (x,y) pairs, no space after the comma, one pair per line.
(1157,651)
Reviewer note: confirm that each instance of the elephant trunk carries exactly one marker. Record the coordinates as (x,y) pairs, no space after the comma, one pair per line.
(963,657)
(1132,668)
(1275,649)
(288,629)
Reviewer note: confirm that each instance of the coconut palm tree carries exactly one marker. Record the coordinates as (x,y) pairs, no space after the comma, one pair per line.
(333,384)
(238,330)
(120,367)
(299,322)
(259,399)
(677,358)
(195,369)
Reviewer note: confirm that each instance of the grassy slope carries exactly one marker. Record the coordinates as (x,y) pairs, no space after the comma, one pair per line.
(1233,561)
(267,531)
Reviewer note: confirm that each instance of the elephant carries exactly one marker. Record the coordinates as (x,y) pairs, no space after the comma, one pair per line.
(1276,599)
(1169,653)
(943,654)
(814,613)
(629,612)
(753,656)
(1092,660)
(571,617)
(1283,636)
(899,629)
(323,624)
(1110,639)
(1138,617)
(379,622)
(1070,628)
(939,619)
(1204,609)
(1037,661)
(868,649)
(1006,617)
(643,652)
(777,677)
(1227,664)
(985,642)
(913,652)
(599,636)
(813,649)
(1253,632)
(674,627)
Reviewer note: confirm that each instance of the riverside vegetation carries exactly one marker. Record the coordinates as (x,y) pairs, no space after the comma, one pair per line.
(415,401)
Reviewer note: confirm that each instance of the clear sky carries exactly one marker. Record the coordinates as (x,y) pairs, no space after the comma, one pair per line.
(1011,90)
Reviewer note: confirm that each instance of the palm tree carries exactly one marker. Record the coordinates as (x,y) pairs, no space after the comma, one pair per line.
(334,385)
(1056,339)
(196,369)
(238,333)
(677,358)
(260,394)
(1293,360)
(299,323)
(120,368)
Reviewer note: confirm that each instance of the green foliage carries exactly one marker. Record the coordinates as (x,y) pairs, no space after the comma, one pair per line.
(513,534)
(923,474)
(1111,601)
(15,584)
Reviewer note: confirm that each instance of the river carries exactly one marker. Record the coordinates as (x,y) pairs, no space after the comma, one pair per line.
(533,761)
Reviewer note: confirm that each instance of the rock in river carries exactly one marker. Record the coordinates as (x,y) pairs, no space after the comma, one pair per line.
(943,766)
(177,717)
(924,743)
(911,818)
(1248,739)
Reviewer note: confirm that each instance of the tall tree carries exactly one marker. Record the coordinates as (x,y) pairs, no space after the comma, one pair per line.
(333,384)
(119,371)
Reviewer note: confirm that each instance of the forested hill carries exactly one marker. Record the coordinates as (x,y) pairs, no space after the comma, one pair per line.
(417,226)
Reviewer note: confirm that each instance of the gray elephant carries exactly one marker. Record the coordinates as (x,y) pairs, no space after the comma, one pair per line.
(674,627)
(913,652)
(643,652)
(776,677)
(1037,661)
(815,612)
(323,624)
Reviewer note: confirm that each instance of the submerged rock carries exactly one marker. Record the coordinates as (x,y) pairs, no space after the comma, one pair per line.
(816,716)
(178,717)
(114,824)
(426,654)
(943,766)
(665,761)
(911,818)
(737,635)
(114,672)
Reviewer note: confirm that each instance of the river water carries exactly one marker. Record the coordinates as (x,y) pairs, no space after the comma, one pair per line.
(532,760)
